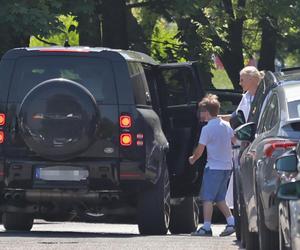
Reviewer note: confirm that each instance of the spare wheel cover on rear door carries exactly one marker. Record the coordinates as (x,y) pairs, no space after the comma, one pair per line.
(58,119)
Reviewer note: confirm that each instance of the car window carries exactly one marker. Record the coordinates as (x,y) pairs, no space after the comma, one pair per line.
(139,84)
(93,73)
(261,93)
(273,115)
(227,107)
(180,87)
(294,109)
(153,88)
(270,115)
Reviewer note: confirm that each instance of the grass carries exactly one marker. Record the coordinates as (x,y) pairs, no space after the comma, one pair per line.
(220,79)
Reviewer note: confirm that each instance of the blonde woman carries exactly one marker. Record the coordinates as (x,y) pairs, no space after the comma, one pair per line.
(250,77)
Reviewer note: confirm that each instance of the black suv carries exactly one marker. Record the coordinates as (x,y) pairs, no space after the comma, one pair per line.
(95,131)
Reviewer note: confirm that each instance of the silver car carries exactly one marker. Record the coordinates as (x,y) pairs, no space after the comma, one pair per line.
(277,130)
(288,194)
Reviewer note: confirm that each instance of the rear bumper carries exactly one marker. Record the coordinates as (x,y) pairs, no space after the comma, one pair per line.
(102,174)
(61,196)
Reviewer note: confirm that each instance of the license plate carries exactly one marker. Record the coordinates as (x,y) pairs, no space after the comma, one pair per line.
(61,173)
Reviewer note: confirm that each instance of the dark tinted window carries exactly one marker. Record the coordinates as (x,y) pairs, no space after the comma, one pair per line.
(6,67)
(152,84)
(294,109)
(262,91)
(179,86)
(273,115)
(270,115)
(139,84)
(94,73)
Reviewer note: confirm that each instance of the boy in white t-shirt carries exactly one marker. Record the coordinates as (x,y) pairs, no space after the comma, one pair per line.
(217,137)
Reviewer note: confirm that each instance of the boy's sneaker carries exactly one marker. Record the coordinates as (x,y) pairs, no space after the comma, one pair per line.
(229,229)
(202,232)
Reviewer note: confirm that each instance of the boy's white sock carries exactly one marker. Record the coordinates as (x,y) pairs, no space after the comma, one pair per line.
(207,225)
(230,220)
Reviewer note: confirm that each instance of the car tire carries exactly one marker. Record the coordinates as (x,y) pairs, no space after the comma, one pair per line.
(184,217)
(17,221)
(154,207)
(282,245)
(265,234)
(236,210)
(251,238)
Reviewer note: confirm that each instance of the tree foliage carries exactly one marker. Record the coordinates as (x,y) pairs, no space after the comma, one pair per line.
(169,30)
(21,19)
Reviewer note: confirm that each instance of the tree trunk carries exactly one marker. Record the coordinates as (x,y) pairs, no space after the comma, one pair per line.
(232,47)
(89,30)
(114,24)
(136,36)
(233,63)
(268,44)
(232,56)
(11,39)
(193,43)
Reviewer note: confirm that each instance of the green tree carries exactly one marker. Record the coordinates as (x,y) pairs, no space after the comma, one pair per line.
(235,29)
(19,20)
(66,32)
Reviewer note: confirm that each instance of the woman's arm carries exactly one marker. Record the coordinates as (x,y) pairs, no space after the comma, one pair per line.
(225,117)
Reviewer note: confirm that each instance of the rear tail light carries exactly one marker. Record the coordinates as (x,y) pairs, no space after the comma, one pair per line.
(1,137)
(270,147)
(125,121)
(125,139)
(2,119)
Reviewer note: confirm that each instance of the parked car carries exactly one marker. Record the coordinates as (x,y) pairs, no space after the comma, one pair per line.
(288,194)
(94,131)
(238,119)
(276,131)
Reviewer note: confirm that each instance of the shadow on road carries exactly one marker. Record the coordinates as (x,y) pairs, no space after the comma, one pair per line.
(67,234)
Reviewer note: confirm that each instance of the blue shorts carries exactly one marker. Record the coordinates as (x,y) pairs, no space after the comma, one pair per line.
(214,185)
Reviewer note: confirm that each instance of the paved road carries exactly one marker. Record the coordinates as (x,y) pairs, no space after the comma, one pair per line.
(86,236)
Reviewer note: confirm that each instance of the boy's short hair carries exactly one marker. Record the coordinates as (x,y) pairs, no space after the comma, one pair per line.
(211,104)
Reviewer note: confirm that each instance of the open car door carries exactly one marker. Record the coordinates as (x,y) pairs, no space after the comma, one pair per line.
(179,92)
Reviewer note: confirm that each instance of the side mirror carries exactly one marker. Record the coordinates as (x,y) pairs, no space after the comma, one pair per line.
(289,191)
(287,163)
(246,132)
(237,119)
